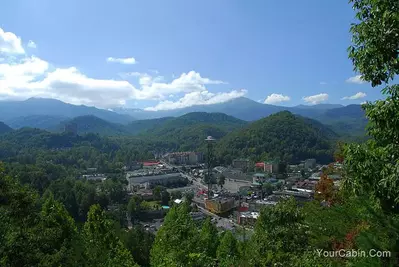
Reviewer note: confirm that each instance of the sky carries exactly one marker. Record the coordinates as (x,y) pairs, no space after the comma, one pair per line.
(156,54)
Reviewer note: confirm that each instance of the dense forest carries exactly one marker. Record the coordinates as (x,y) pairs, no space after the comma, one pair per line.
(282,135)
(48,217)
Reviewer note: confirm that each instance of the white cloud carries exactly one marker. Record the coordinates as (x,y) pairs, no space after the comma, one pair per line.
(128,60)
(355,96)
(276,98)
(10,43)
(23,77)
(316,99)
(32,44)
(198,98)
(356,79)
(323,83)
(20,75)
(154,88)
(31,78)
(364,102)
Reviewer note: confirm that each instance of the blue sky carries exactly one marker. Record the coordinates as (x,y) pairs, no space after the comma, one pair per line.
(184,52)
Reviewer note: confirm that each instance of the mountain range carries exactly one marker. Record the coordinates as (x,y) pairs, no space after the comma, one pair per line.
(281,135)
(49,114)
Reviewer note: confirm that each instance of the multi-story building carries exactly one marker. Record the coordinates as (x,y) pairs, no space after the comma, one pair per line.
(270,166)
(219,205)
(150,181)
(185,158)
(240,164)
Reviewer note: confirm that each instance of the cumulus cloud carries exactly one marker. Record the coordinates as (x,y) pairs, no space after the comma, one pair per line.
(23,77)
(356,79)
(128,60)
(355,96)
(16,78)
(276,98)
(154,88)
(10,43)
(31,78)
(316,99)
(198,98)
(31,44)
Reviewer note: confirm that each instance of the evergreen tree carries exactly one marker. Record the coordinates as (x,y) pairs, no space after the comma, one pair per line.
(102,246)
(176,240)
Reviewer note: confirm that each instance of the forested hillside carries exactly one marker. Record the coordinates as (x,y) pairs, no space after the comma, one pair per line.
(4,128)
(282,135)
(92,124)
(46,122)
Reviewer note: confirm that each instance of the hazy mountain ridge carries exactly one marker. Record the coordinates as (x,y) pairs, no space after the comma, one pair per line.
(48,113)
(4,128)
(11,110)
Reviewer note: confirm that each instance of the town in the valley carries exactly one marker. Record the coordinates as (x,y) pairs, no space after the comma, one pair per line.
(232,197)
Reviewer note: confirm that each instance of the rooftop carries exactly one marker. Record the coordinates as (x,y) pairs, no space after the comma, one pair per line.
(143,179)
(250,214)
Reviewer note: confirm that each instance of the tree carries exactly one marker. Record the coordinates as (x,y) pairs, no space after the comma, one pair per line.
(102,246)
(133,207)
(268,188)
(58,236)
(324,189)
(176,240)
(18,215)
(227,252)
(209,239)
(375,39)
(279,235)
(139,243)
(221,180)
(371,168)
(165,197)
(157,192)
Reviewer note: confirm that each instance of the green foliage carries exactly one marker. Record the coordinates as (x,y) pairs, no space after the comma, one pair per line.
(189,131)
(375,39)
(283,135)
(92,124)
(209,239)
(280,235)
(139,243)
(227,252)
(176,239)
(102,246)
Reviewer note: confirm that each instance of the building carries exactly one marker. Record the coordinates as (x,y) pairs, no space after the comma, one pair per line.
(185,158)
(94,177)
(247,218)
(219,205)
(197,216)
(71,128)
(270,167)
(151,181)
(310,164)
(240,164)
(150,164)
(304,186)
